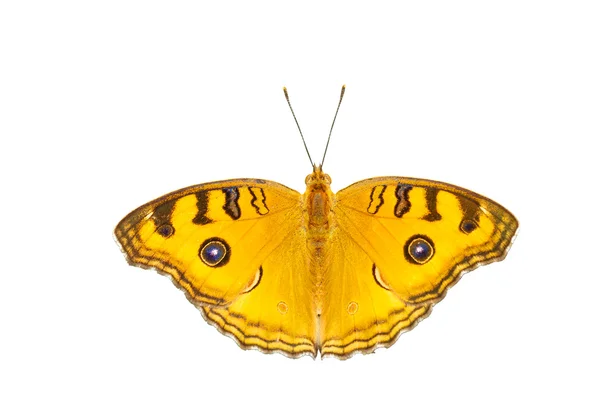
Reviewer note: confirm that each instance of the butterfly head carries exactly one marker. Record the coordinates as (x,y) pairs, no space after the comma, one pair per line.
(318,179)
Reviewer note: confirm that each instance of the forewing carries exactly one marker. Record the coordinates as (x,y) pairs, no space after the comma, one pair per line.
(212,238)
(422,235)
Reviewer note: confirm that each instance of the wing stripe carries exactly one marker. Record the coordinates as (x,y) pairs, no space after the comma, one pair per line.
(403,204)
(260,209)
(374,208)
(231,206)
(431,203)
(202,204)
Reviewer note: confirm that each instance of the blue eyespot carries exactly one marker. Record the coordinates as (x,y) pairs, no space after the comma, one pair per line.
(214,252)
(419,249)
(468,226)
(165,230)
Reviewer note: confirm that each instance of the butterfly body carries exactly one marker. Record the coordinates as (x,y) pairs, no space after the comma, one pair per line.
(319,225)
(318,272)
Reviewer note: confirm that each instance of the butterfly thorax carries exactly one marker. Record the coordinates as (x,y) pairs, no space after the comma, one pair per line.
(318,199)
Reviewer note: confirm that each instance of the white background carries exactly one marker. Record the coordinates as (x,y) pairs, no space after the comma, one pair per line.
(107,105)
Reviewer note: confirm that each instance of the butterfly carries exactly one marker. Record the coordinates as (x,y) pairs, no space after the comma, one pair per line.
(303,274)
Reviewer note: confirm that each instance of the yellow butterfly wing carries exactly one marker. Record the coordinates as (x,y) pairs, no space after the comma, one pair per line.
(400,243)
(222,243)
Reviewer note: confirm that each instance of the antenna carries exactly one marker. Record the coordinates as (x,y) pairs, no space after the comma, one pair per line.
(297,124)
(334,117)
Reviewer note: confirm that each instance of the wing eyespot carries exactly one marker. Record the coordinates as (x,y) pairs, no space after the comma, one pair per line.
(352,308)
(419,249)
(468,225)
(215,252)
(282,307)
(165,230)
